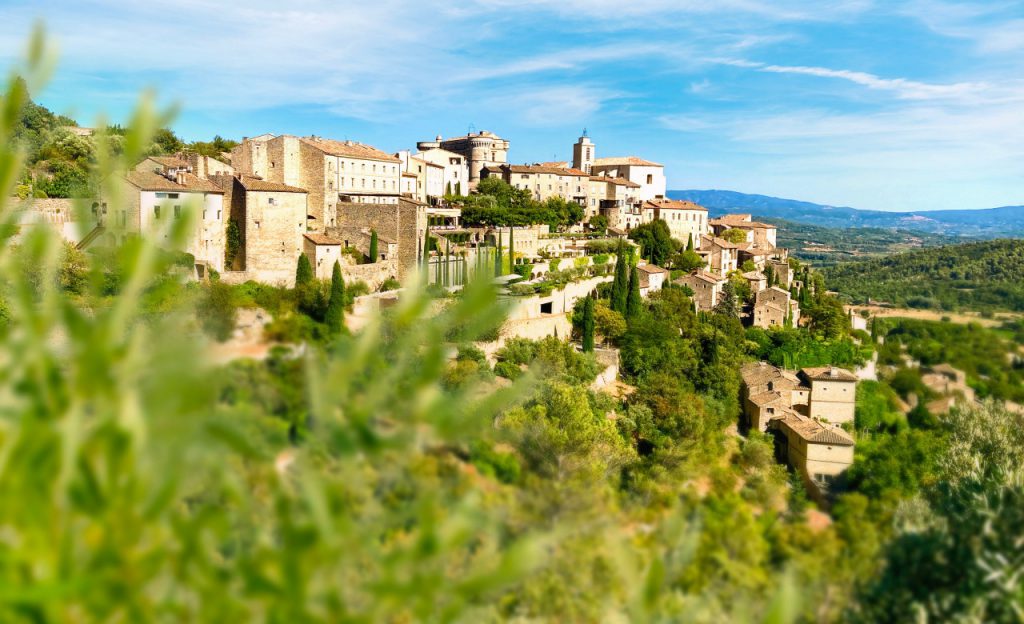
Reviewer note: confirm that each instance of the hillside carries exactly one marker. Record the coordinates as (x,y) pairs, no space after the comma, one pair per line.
(985,223)
(982,276)
(825,246)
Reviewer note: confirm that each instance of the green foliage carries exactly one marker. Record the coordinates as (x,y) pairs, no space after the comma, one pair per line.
(598,223)
(334,316)
(373,246)
(656,244)
(303,271)
(735,236)
(217,311)
(588,324)
(987,357)
(232,243)
(971,276)
(794,348)
(633,300)
(620,285)
(497,203)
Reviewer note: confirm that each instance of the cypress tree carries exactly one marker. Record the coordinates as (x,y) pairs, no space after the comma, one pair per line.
(448,188)
(498,260)
(373,246)
(458,188)
(769,274)
(633,298)
(620,286)
(336,305)
(588,325)
(303,271)
(447,262)
(511,250)
(689,243)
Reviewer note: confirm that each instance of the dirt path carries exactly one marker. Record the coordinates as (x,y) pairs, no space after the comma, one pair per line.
(962,318)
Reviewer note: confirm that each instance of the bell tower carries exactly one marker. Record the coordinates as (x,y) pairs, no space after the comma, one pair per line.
(584,153)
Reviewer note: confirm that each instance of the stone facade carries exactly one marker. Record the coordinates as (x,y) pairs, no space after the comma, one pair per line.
(706,287)
(322,251)
(456,171)
(480,149)
(403,223)
(686,220)
(833,394)
(271,218)
(648,175)
(544,182)
(772,307)
(330,171)
(722,256)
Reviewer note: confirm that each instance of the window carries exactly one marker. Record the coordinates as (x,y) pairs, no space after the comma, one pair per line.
(218,215)
(123,217)
(177,212)
(156,211)
(271,201)
(650,179)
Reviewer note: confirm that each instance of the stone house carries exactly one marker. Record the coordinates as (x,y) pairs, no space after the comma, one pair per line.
(833,394)
(652,278)
(161,189)
(722,256)
(429,177)
(650,176)
(686,220)
(805,410)
(322,251)
(772,306)
(456,171)
(757,281)
(544,182)
(271,220)
(330,171)
(783,272)
(480,149)
(404,224)
(762,235)
(706,287)
(612,197)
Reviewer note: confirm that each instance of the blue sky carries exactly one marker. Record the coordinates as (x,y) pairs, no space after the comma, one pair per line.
(886,104)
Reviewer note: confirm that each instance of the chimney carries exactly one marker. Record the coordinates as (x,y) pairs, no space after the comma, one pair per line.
(179,176)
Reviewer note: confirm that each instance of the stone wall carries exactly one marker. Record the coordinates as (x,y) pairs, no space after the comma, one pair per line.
(403,223)
(373,274)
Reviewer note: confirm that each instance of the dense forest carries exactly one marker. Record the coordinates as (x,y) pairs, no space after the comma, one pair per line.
(59,159)
(982,276)
(398,474)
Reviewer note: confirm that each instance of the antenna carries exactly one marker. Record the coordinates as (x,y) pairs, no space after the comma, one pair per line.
(471,129)
(584,132)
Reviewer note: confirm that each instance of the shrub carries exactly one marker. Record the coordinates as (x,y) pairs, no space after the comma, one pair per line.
(217,311)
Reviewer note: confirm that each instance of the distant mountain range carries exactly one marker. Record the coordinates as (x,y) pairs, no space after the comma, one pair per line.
(984,223)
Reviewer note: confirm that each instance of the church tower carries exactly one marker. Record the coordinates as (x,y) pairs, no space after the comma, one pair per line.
(583,153)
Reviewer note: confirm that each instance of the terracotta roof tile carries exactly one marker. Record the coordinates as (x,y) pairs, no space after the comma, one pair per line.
(152,181)
(625,160)
(348,149)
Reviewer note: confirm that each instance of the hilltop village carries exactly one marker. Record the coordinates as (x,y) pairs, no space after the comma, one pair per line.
(380,216)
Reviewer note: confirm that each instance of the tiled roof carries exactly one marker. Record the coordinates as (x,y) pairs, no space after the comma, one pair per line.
(253,183)
(152,181)
(625,160)
(561,164)
(673,204)
(828,373)
(815,432)
(543,169)
(321,239)
(348,149)
(701,274)
(719,242)
(616,181)
(754,275)
(172,162)
(651,268)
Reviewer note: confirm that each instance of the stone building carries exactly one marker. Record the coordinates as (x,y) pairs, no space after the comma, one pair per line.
(584,152)
(706,287)
(480,149)
(544,182)
(615,198)
(271,220)
(649,175)
(686,220)
(652,278)
(456,171)
(162,189)
(721,255)
(330,171)
(403,224)
(804,410)
(322,251)
(762,235)
(429,177)
(756,280)
(773,306)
